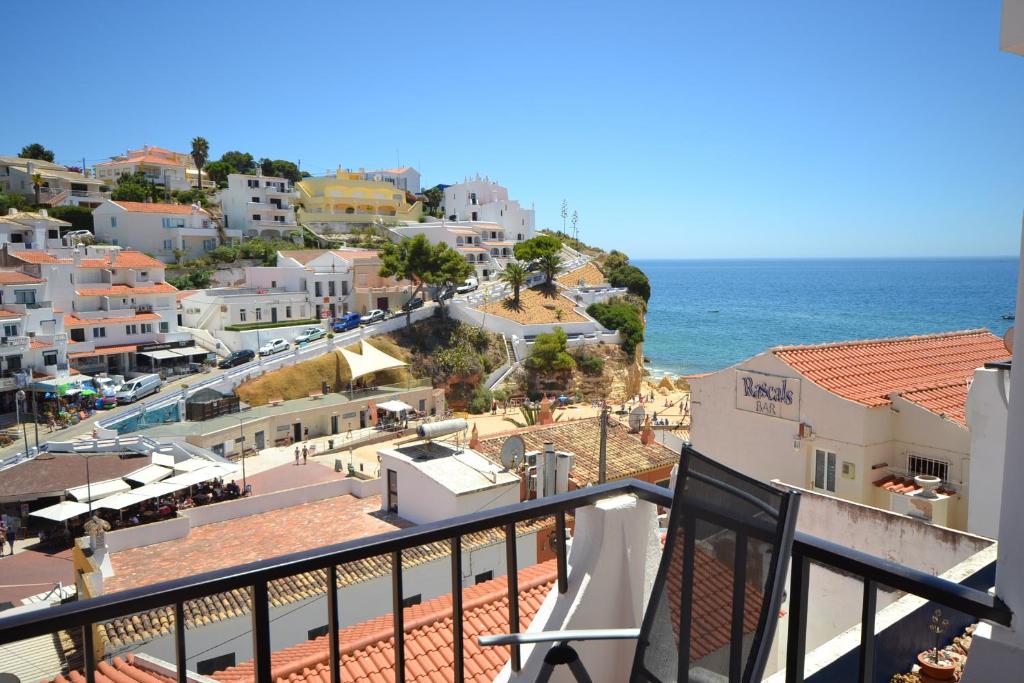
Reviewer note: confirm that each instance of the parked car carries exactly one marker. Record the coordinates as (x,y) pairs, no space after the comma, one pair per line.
(446,293)
(236,358)
(469,285)
(374,316)
(349,321)
(273,346)
(412,304)
(310,334)
(138,387)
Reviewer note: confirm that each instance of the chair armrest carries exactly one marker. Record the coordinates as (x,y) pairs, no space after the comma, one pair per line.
(560,636)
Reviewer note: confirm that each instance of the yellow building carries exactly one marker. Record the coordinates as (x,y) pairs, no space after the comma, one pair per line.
(343,201)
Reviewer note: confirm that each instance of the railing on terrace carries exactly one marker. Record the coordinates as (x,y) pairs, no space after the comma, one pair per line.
(256,576)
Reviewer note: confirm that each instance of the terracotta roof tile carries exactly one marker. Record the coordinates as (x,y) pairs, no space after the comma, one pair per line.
(126,290)
(870,371)
(142,159)
(906,485)
(626,455)
(127,670)
(367,648)
(126,258)
(949,401)
(35,257)
(104,351)
(16,277)
(146,207)
(71,320)
(10,314)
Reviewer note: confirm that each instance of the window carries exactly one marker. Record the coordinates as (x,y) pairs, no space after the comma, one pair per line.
(330,288)
(412,600)
(287,311)
(78,334)
(113,221)
(209,245)
(392,491)
(165,327)
(255,200)
(472,199)
(24,296)
(169,222)
(14,362)
(215,664)
(257,217)
(824,470)
(143,274)
(259,314)
(49,358)
(423,405)
(11,330)
(147,328)
(99,332)
(131,329)
(480,578)
(917,464)
(253,183)
(344,287)
(168,245)
(473,218)
(318,289)
(241,314)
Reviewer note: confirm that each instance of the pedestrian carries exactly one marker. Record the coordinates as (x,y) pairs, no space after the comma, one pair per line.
(10,538)
(3,535)
(305,453)
(305,434)
(494,406)
(296,454)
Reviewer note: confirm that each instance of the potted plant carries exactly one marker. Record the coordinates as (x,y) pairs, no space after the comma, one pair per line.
(937,663)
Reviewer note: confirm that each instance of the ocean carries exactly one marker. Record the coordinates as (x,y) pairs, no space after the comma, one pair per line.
(708,314)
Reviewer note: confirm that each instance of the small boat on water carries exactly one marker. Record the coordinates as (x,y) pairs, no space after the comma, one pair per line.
(1009,316)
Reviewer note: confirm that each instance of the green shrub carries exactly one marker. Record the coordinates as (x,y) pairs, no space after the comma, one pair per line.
(633,279)
(80,217)
(481,401)
(617,314)
(265,326)
(548,353)
(589,364)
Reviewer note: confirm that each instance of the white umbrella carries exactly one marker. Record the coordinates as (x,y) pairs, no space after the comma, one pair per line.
(62,511)
(394,406)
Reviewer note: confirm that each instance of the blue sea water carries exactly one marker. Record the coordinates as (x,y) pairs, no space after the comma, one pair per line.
(708,314)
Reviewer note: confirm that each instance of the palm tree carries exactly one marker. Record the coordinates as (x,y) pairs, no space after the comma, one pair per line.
(550,264)
(37,183)
(200,153)
(515,276)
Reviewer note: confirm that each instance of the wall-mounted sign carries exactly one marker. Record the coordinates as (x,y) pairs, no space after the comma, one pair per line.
(769,395)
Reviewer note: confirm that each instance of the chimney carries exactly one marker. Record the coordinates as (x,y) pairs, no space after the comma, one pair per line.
(547,470)
(113,257)
(76,256)
(44,213)
(563,464)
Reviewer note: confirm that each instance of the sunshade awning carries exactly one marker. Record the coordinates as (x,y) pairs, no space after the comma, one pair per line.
(191,465)
(160,354)
(394,406)
(214,471)
(149,474)
(120,501)
(190,351)
(98,489)
(369,361)
(158,490)
(62,511)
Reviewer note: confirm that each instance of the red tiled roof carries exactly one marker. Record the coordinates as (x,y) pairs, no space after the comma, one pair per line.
(125,259)
(898,484)
(36,344)
(11,314)
(105,351)
(949,401)
(16,277)
(73,321)
(35,257)
(870,371)
(125,670)
(367,649)
(145,207)
(125,290)
(142,159)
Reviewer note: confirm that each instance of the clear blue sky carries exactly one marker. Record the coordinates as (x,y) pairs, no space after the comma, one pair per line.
(681,129)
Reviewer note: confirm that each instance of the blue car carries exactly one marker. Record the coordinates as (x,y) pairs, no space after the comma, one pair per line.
(349,321)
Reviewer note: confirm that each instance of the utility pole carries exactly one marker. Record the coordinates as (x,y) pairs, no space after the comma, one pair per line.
(602,458)
(35,419)
(19,398)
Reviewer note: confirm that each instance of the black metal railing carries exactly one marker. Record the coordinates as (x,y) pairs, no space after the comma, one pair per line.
(256,576)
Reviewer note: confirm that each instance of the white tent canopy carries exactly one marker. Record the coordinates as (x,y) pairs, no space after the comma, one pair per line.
(98,489)
(62,511)
(370,361)
(214,471)
(192,464)
(119,501)
(148,474)
(394,406)
(160,488)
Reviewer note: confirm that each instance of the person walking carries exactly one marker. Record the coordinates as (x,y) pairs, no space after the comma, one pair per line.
(10,538)
(296,454)
(305,453)
(3,535)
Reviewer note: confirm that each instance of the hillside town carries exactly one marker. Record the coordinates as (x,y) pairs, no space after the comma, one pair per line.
(260,424)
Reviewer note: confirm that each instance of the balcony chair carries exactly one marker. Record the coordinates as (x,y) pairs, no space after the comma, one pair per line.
(718,589)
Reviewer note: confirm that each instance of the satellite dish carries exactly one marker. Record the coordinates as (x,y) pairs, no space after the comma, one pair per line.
(636,418)
(512,452)
(1008,340)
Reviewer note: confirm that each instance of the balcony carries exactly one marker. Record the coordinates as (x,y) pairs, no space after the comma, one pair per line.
(601,513)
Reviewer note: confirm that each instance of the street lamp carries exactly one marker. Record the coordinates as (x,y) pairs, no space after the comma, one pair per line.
(19,399)
(241,442)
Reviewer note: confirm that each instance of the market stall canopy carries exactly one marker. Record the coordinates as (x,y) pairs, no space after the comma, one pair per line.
(61,385)
(149,474)
(119,501)
(160,354)
(158,490)
(62,511)
(369,361)
(191,465)
(394,406)
(98,489)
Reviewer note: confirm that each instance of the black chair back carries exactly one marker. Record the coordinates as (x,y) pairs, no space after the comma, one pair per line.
(715,602)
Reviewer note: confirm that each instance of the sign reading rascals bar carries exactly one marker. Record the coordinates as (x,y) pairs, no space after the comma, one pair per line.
(769,395)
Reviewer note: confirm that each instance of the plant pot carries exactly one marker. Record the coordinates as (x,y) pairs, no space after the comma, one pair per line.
(943,670)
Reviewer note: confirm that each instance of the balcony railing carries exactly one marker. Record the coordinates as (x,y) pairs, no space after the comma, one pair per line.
(873,571)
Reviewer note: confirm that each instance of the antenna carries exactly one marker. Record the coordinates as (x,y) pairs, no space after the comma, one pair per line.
(513,451)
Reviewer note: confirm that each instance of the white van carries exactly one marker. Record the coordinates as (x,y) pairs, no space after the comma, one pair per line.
(138,387)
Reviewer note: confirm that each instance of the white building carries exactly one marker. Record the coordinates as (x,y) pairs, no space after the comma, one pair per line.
(487,257)
(485,201)
(170,170)
(988,402)
(258,205)
(860,420)
(31,230)
(118,312)
(60,185)
(404,178)
(159,229)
